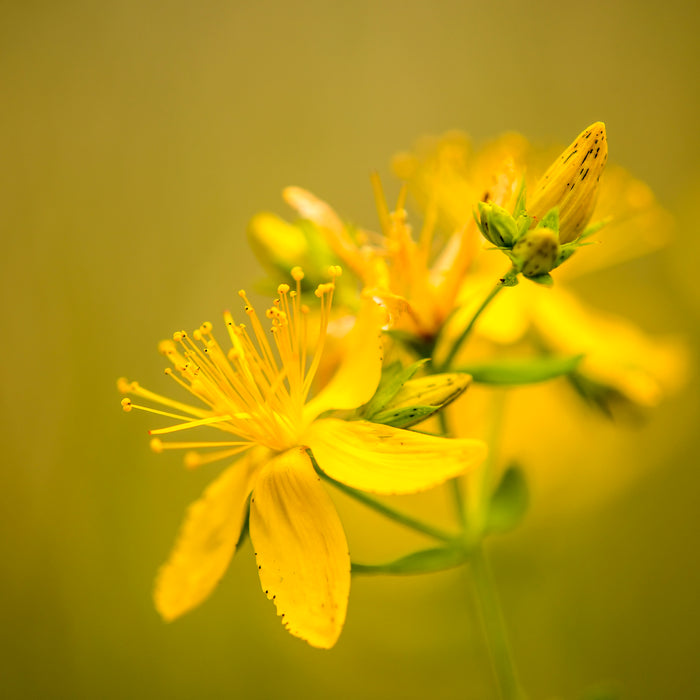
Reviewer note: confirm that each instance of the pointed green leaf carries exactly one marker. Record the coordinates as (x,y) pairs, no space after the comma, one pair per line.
(522,371)
(509,502)
(423,562)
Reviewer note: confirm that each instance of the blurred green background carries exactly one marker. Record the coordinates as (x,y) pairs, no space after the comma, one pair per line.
(136,140)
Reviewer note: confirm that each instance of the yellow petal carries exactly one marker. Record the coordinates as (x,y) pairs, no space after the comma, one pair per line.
(310,207)
(356,380)
(206,543)
(618,354)
(301,549)
(381,459)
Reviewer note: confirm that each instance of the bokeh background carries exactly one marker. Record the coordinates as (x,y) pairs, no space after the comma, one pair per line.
(136,140)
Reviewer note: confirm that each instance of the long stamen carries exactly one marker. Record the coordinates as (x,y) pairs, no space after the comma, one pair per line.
(380,202)
(127,405)
(126,387)
(250,390)
(190,424)
(325,293)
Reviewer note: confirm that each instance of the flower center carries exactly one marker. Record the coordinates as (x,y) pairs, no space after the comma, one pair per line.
(257,389)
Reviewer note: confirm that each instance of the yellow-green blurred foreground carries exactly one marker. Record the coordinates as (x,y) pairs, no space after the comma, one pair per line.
(136,140)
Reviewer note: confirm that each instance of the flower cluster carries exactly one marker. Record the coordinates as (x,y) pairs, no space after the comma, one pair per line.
(288,404)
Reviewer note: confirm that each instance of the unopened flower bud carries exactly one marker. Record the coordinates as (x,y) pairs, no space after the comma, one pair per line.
(418,399)
(571,183)
(536,253)
(497,225)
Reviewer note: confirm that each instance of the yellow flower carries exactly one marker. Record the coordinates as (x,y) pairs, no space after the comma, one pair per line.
(618,355)
(401,271)
(416,277)
(257,395)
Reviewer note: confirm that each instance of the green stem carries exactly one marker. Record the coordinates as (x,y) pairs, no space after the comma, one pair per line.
(494,627)
(386,511)
(456,483)
(445,366)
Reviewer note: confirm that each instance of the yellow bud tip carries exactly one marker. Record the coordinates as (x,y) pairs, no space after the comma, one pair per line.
(126,405)
(157,445)
(571,183)
(192,460)
(297,274)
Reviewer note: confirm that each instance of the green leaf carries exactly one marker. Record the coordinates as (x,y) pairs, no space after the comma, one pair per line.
(522,371)
(423,562)
(509,502)
(393,378)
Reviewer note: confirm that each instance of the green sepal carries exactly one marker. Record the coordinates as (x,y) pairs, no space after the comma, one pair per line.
(523,224)
(546,280)
(393,378)
(510,279)
(423,562)
(509,502)
(522,371)
(404,417)
(519,208)
(550,220)
(594,228)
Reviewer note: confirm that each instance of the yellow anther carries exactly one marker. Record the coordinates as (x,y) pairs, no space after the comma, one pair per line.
(197,334)
(324,288)
(282,288)
(206,327)
(192,460)
(124,386)
(297,274)
(335,271)
(166,347)
(157,445)
(126,405)
(178,336)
